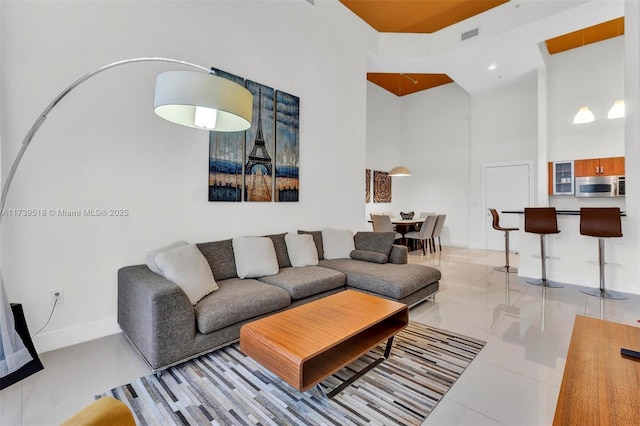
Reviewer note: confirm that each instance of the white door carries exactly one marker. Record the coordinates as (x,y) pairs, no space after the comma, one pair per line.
(507,186)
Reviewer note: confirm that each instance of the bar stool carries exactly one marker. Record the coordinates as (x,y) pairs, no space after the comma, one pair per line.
(601,222)
(542,221)
(497,227)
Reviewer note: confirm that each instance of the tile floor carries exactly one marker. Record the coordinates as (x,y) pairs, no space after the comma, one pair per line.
(515,379)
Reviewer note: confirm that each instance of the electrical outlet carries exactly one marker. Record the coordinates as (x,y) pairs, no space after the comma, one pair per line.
(59,293)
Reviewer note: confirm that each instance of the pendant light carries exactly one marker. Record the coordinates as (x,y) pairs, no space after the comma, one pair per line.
(584,115)
(400,171)
(617,110)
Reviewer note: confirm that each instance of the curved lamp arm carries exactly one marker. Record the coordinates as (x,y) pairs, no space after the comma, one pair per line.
(36,126)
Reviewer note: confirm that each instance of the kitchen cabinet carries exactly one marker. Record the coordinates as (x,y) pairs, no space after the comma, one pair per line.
(561,174)
(613,166)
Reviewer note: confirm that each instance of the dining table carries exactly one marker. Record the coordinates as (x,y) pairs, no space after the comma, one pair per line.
(405,225)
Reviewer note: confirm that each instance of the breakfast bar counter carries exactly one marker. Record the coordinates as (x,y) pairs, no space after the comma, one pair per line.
(572,258)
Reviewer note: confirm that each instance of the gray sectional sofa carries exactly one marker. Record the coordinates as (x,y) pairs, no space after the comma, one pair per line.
(166,328)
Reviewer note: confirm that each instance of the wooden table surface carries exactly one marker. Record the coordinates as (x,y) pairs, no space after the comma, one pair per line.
(600,386)
(303,345)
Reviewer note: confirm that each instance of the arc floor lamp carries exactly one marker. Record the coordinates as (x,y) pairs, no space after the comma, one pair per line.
(197,99)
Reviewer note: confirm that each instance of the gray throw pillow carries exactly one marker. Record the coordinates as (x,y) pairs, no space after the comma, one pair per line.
(379,242)
(369,256)
(280,245)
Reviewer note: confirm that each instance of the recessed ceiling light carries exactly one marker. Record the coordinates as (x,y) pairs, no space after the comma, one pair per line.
(492,67)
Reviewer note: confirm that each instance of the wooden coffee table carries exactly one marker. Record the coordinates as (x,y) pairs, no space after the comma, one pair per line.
(599,384)
(306,344)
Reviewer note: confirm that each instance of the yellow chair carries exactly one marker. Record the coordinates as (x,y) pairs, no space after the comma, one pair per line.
(105,411)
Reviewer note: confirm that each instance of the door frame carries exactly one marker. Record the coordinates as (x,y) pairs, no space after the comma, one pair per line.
(485,208)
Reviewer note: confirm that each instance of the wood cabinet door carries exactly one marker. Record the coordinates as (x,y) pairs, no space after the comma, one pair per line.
(588,167)
(550,177)
(612,166)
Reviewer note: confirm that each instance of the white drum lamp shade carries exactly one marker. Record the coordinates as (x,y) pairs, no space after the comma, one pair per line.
(219,104)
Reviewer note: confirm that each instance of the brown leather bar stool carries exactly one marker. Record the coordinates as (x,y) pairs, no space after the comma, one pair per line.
(601,222)
(542,221)
(497,227)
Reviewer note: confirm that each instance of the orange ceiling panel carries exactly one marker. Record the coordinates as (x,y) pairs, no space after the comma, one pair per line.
(586,36)
(417,16)
(405,84)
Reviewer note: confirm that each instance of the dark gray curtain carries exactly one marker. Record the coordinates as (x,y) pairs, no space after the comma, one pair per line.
(18,357)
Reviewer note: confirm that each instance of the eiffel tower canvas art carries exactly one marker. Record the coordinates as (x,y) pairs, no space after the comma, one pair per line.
(258,167)
(262,163)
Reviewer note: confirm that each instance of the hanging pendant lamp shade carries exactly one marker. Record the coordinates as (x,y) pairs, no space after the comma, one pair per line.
(400,171)
(617,110)
(203,101)
(584,115)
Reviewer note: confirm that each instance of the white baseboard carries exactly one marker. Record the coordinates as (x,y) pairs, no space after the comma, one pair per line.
(73,335)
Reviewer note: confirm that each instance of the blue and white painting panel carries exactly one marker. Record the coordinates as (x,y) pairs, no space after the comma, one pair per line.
(287,147)
(226,158)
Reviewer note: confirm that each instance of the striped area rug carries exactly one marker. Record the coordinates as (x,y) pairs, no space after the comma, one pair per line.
(226,387)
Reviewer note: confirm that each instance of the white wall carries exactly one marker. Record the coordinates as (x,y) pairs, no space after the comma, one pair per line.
(436,148)
(383,138)
(445,136)
(503,129)
(603,67)
(103,147)
(632,137)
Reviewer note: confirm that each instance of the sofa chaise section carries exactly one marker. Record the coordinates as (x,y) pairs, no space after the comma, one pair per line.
(408,283)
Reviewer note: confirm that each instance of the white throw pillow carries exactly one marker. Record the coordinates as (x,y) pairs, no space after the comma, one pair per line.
(151,256)
(337,243)
(302,250)
(255,257)
(187,267)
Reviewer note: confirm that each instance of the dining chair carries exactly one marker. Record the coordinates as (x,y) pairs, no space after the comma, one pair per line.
(437,230)
(382,223)
(424,234)
(422,215)
(390,214)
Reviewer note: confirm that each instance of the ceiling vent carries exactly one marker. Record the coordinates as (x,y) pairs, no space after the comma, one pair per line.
(469,34)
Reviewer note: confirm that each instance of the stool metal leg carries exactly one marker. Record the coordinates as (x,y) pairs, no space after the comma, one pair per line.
(544,281)
(602,292)
(506,267)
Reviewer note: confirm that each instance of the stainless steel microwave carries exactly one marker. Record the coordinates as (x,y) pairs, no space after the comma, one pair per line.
(600,186)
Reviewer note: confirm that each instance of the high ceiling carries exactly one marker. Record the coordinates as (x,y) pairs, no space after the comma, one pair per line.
(417,16)
(426,43)
(588,35)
